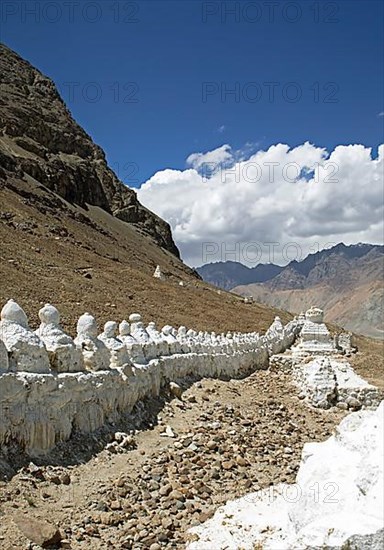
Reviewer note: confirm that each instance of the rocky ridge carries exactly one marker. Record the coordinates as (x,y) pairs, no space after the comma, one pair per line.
(331,263)
(40,140)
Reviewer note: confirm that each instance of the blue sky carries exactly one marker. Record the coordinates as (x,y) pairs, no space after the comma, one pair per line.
(138,72)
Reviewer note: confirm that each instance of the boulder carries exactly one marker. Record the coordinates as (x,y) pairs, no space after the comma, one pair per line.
(4,363)
(38,531)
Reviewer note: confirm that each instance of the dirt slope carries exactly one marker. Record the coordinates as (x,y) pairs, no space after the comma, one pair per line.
(51,251)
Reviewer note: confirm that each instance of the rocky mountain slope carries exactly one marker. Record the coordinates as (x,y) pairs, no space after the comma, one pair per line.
(40,139)
(73,234)
(347,282)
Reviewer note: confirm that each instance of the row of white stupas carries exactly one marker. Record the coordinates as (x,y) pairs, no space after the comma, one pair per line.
(118,346)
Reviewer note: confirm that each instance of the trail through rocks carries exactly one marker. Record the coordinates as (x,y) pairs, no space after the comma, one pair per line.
(220,441)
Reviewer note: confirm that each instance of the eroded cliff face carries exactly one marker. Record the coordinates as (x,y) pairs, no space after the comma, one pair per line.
(39,138)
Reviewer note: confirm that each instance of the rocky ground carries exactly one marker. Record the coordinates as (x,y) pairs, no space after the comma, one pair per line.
(187,456)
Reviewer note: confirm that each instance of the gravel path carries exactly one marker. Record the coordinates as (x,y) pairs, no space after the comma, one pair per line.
(223,439)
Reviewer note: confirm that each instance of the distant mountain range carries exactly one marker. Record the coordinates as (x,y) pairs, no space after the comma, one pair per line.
(346,281)
(227,275)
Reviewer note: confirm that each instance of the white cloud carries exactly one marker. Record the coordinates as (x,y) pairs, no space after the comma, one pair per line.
(381,114)
(221,129)
(220,156)
(302,195)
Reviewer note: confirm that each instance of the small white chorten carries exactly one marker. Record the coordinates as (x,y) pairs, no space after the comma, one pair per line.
(95,353)
(26,350)
(158,274)
(62,352)
(314,336)
(118,350)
